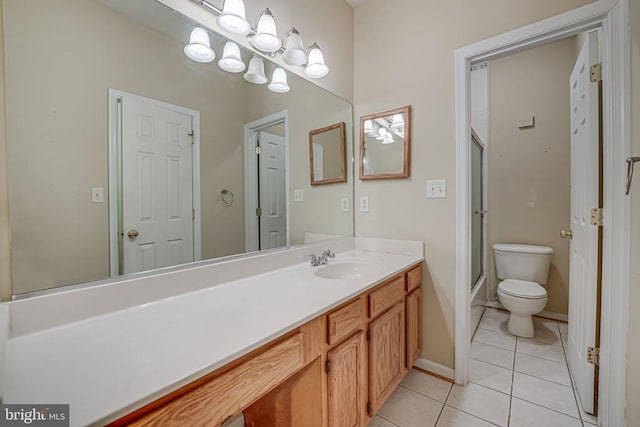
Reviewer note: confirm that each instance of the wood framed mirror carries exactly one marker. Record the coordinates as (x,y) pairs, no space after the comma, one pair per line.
(327,160)
(385,144)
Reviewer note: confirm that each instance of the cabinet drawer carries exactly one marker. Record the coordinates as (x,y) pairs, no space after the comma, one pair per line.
(344,321)
(386,296)
(414,278)
(232,391)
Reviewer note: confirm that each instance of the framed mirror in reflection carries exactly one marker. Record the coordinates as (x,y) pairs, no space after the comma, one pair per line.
(327,158)
(385,144)
(123,152)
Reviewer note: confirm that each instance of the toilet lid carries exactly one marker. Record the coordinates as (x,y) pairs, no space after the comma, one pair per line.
(522,289)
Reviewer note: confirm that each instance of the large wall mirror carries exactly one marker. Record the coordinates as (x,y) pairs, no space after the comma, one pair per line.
(126,156)
(385,144)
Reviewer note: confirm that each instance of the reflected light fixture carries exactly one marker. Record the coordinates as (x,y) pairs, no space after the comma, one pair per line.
(316,68)
(279,81)
(231,60)
(388,139)
(294,53)
(255,74)
(368,128)
(233,19)
(398,122)
(266,37)
(382,134)
(199,47)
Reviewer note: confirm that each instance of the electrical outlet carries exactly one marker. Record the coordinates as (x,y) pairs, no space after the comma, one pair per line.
(364,204)
(437,189)
(344,204)
(298,195)
(97,195)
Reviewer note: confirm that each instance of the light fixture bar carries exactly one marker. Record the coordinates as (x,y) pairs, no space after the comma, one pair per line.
(217,11)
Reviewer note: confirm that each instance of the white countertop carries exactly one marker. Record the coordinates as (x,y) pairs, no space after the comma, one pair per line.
(108,365)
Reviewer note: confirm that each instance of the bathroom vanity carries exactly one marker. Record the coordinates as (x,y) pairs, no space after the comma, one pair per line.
(284,343)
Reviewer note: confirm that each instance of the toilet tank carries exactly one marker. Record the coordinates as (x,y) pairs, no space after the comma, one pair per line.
(522,262)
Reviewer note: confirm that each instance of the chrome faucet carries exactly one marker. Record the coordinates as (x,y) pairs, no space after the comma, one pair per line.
(322,259)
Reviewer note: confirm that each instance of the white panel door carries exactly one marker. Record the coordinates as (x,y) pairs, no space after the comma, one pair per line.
(272,190)
(583,273)
(157,187)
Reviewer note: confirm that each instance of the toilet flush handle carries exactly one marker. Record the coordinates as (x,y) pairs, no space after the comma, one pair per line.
(565,234)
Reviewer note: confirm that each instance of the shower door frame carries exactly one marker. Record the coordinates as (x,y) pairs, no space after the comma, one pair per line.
(612,16)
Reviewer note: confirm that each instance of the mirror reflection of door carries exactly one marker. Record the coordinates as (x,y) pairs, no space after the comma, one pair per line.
(156,185)
(272,220)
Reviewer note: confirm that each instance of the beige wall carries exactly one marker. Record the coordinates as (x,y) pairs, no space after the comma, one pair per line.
(529,169)
(419,70)
(633,357)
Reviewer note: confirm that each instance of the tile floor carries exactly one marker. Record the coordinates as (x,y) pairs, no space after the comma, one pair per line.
(513,382)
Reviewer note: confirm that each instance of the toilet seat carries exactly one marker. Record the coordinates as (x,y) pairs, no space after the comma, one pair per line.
(522,289)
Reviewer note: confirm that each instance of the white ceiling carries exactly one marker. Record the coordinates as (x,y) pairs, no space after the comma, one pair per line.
(355,3)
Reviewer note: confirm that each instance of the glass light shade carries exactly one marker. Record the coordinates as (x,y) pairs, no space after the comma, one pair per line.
(382,134)
(398,122)
(279,81)
(388,139)
(266,38)
(368,127)
(316,68)
(294,53)
(233,18)
(199,47)
(255,74)
(231,60)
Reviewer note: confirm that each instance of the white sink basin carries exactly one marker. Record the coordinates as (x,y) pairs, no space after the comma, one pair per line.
(346,270)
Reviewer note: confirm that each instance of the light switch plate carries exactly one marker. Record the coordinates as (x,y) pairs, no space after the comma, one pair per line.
(437,189)
(364,204)
(344,204)
(298,195)
(97,195)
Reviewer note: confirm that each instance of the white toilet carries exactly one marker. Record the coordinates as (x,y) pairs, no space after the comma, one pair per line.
(522,269)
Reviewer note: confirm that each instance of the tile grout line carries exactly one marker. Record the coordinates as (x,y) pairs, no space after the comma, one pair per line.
(472,415)
(389,421)
(549,409)
(422,394)
(444,403)
(513,378)
(575,395)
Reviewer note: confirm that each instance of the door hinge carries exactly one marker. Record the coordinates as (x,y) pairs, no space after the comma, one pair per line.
(369,409)
(597,216)
(368,335)
(593,356)
(258,150)
(259,212)
(193,214)
(192,133)
(596,73)
(327,366)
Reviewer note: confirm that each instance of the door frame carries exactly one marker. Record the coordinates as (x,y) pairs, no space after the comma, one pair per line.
(114,95)
(251,130)
(613,17)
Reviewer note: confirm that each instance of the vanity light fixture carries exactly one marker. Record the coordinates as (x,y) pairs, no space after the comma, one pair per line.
(255,74)
(231,60)
(266,38)
(316,68)
(279,81)
(388,139)
(382,134)
(233,19)
(199,47)
(294,53)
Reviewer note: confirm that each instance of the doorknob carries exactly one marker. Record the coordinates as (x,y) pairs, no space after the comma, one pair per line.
(133,234)
(565,234)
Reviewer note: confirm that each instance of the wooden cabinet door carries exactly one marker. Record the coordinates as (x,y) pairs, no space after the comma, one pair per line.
(346,383)
(414,327)
(386,355)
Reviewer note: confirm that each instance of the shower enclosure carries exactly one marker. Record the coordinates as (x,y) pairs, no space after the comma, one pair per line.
(479,211)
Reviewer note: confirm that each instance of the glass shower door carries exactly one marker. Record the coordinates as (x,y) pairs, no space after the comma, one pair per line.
(478,211)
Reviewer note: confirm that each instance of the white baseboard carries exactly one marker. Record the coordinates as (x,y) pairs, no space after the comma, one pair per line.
(548,314)
(436,368)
